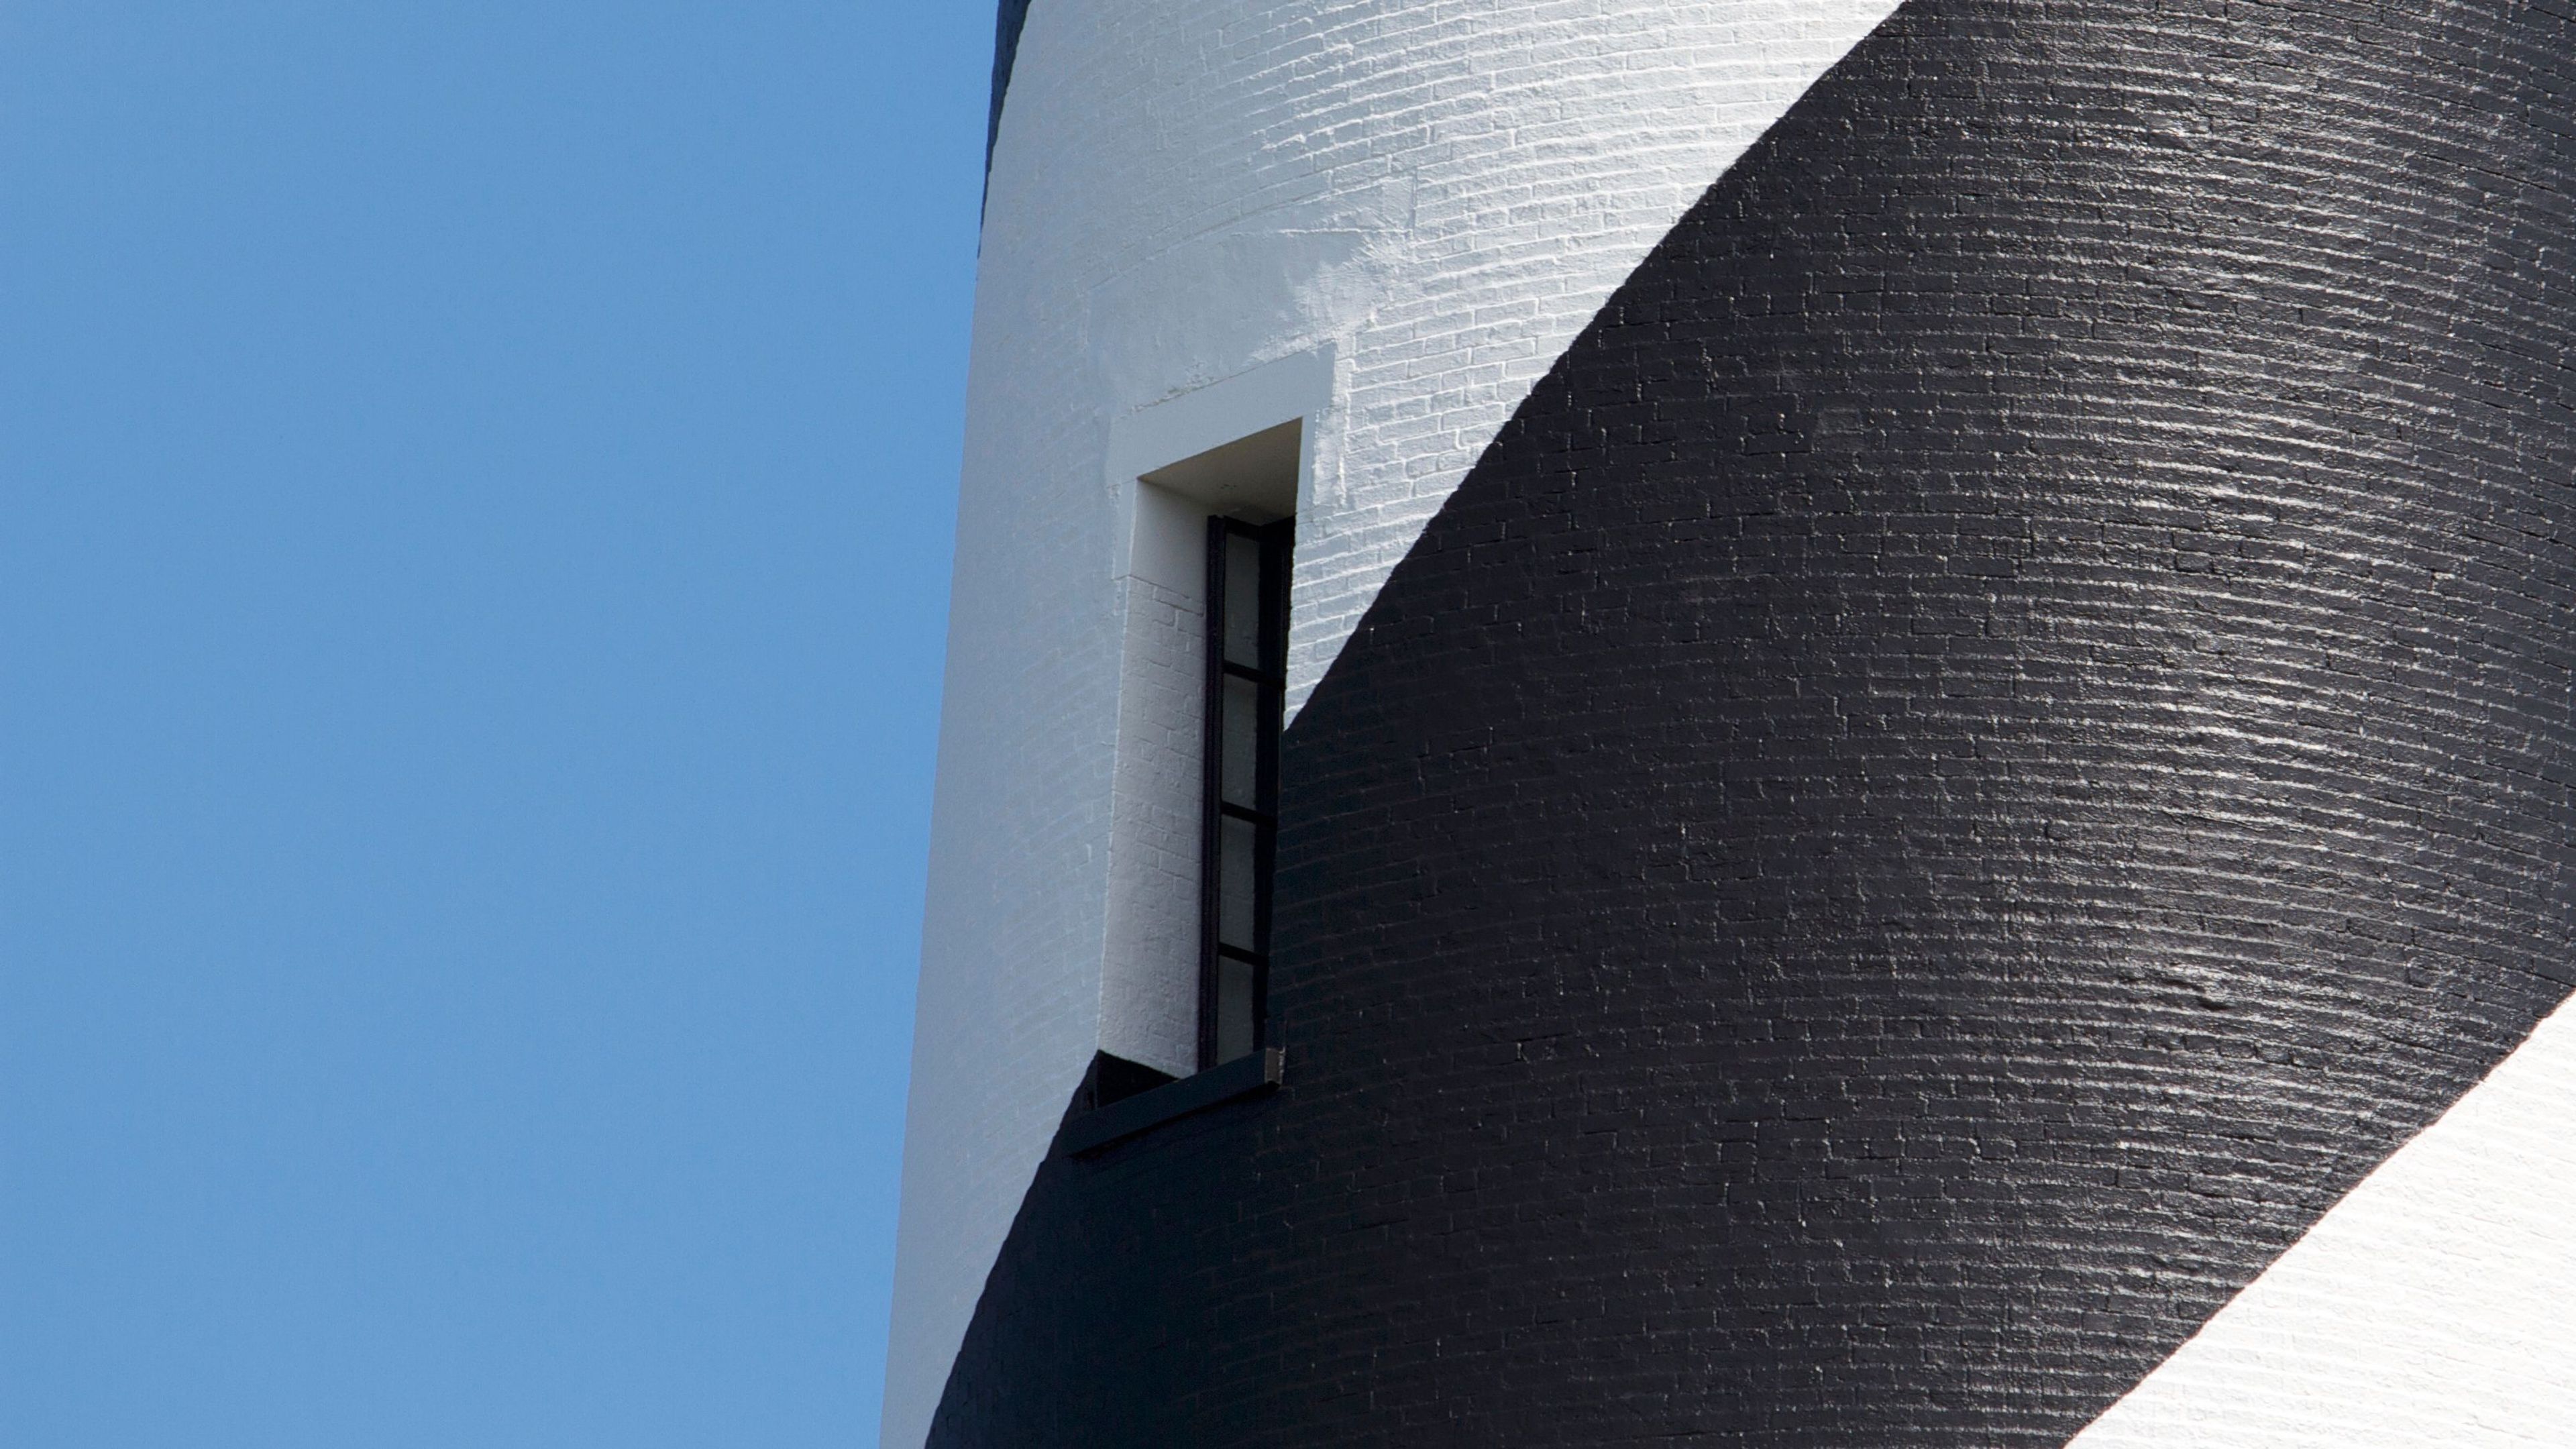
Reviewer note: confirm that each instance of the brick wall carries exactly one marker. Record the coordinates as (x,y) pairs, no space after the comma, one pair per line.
(1994,737)
(1436,195)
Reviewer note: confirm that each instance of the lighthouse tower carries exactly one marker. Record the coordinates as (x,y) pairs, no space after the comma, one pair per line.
(1758,723)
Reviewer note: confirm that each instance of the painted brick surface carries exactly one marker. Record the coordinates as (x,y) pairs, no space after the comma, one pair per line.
(1995,737)
(1440,194)
(1153,1017)
(2434,1305)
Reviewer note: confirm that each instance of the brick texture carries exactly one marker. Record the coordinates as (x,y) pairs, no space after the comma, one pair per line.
(1994,736)
(1437,196)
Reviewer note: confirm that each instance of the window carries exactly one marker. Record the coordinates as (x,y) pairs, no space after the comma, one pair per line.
(1186,930)
(1247,680)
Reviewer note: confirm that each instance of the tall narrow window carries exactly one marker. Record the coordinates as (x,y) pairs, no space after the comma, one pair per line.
(1247,680)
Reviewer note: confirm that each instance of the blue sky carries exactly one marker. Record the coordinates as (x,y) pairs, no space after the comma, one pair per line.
(476,484)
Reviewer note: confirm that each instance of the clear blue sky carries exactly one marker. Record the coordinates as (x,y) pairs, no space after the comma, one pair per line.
(476,481)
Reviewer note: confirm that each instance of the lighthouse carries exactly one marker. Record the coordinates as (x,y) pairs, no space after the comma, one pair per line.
(1758,723)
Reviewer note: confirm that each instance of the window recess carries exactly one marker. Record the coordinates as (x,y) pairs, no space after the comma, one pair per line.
(1186,941)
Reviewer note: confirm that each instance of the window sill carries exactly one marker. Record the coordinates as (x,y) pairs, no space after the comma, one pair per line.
(1125,1118)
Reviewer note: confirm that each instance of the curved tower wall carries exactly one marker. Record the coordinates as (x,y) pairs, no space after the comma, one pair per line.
(1919,751)
(1385,218)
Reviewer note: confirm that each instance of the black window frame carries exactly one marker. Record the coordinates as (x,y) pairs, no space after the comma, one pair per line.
(1269,678)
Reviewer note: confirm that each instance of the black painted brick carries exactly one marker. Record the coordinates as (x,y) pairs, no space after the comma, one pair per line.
(1995,735)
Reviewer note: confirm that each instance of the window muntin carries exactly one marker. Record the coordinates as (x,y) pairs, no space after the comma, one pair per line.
(1247,678)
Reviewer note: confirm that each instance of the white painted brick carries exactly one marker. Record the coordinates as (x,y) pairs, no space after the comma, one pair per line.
(2436,1304)
(1441,193)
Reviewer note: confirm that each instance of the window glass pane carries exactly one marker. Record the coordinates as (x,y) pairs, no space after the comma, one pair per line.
(1233,1009)
(1234,883)
(1243,600)
(1240,765)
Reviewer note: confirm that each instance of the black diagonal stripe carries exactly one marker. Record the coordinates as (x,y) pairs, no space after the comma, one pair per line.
(1010,17)
(1995,735)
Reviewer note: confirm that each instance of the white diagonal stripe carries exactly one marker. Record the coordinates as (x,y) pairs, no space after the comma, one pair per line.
(1435,196)
(2436,1304)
